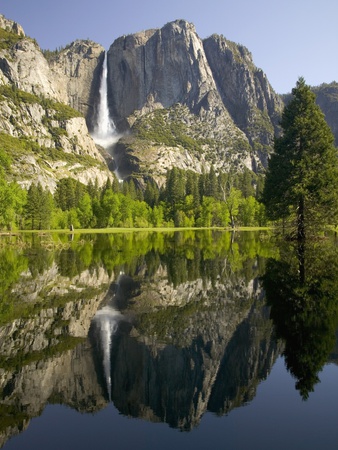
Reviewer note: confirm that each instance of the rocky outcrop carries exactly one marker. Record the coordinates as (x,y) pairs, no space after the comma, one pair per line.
(34,101)
(10,25)
(245,91)
(199,85)
(24,66)
(57,147)
(327,99)
(77,71)
(219,108)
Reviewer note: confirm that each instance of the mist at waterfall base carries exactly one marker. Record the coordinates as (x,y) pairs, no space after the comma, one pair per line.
(105,133)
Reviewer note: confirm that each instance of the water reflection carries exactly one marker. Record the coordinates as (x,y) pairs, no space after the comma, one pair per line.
(166,327)
(302,289)
(108,323)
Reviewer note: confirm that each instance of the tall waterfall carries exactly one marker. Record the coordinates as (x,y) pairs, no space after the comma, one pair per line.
(104,133)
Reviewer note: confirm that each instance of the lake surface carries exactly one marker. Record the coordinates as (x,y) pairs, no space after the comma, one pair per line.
(168,340)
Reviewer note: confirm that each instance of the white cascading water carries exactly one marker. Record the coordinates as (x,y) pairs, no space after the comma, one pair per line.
(107,320)
(104,133)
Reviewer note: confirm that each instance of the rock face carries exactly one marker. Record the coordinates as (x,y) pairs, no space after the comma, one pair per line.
(159,68)
(218,108)
(327,99)
(10,25)
(245,91)
(232,110)
(25,67)
(77,70)
(57,147)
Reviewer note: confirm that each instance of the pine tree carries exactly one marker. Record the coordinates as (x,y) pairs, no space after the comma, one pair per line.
(39,207)
(212,184)
(302,176)
(32,206)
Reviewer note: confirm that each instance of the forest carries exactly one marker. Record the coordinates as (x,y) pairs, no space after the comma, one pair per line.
(187,199)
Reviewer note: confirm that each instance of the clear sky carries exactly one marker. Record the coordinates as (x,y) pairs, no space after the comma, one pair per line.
(287,38)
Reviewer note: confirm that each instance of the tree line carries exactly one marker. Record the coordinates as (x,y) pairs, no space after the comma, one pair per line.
(187,199)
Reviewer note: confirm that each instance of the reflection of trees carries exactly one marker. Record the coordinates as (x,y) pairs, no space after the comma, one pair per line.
(302,289)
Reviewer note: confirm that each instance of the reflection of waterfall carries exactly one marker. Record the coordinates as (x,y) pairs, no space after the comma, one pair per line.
(108,323)
(106,320)
(105,132)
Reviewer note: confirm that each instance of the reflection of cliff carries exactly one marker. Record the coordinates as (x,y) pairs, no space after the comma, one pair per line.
(44,357)
(248,359)
(177,338)
(206,353)
(68,378)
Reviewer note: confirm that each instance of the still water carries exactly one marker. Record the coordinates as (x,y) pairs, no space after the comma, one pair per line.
(187,340)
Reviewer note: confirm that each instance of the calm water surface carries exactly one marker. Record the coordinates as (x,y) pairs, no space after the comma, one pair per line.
(187,340)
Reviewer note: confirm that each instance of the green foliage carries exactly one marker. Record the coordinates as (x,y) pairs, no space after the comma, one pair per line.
(166,127)
(11,92)
(12,201)
(38,208)
(55,110)
(188,199)
(5,159)
(59,111)
(8,39)
(52,54)
(302,176)
(13,149)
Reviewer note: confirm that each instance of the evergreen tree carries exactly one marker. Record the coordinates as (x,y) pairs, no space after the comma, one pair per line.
(302,177)
(65,196)
(32,206)
(192,187)
(39,207)
(115,185)
(151,193)
(212,184)
(175,190)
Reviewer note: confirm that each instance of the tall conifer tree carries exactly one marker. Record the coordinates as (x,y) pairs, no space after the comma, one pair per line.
(302,177)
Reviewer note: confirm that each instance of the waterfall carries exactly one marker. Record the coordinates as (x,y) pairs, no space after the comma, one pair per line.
(104,132)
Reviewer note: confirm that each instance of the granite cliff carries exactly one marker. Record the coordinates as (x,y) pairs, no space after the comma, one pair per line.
(45,138)
(211,96)
(327,99)
(177,100)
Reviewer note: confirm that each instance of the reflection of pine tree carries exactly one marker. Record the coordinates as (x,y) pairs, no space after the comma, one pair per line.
(303,294)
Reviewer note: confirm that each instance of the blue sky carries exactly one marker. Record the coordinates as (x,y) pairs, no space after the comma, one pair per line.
(287,39)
